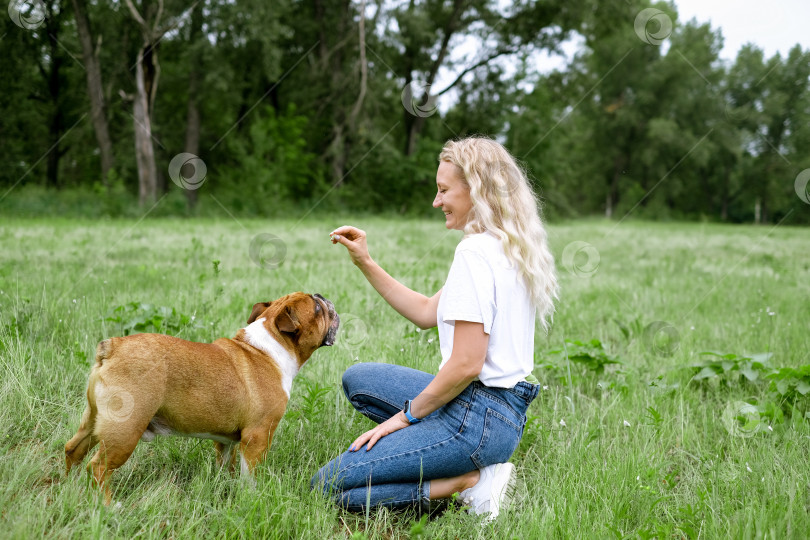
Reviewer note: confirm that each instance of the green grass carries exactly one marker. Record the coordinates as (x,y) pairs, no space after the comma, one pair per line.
(680,471)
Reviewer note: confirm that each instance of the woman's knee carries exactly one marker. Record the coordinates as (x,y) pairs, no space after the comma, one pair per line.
(357,376)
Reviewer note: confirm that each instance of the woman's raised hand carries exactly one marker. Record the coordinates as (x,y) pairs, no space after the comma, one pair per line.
(355,241)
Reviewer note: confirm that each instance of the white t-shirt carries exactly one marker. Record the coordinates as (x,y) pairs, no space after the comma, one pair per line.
(484,287)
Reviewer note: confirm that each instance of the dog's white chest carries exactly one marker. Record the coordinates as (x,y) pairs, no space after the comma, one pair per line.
(258,336)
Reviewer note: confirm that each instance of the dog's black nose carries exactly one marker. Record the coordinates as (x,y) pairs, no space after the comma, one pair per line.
(316,295)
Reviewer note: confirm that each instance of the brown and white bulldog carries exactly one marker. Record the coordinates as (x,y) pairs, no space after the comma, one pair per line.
(231,391)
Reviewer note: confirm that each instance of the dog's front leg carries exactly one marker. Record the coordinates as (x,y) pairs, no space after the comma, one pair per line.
(253,448)
(226,455)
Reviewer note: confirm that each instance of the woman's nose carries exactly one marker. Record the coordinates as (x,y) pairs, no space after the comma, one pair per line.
(437,202)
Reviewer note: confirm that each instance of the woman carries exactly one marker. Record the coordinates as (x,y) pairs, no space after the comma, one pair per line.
(454,432)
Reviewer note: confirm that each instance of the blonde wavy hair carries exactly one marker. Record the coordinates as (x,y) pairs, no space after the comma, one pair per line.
(504,204)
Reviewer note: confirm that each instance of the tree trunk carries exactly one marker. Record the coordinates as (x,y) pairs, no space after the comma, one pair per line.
(94,89)
(416,124)
(725,195)
(613,188)
(147,74)
(192,145)
(55,124)
(144,150)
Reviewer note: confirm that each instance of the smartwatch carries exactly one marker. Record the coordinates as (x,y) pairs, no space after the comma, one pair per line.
(408,415)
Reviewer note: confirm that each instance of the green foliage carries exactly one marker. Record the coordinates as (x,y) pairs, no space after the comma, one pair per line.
(288,120)
(732,368)
(313,402)
(270,167)
(792,385)
(590,354)
(138,317)
(419,528)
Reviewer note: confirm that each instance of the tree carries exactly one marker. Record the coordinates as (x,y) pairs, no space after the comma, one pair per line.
(94,87)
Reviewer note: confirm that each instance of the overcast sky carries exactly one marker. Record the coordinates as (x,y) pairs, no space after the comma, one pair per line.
(774,26)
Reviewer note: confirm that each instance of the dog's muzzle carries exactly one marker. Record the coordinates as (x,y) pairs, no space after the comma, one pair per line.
(329,338)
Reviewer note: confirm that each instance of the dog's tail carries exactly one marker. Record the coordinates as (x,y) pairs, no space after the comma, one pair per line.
(103,351)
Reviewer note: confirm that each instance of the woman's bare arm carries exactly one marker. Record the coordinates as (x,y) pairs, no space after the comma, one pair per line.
(414,306)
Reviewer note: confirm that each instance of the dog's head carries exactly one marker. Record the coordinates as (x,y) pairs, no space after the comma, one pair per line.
(300,322)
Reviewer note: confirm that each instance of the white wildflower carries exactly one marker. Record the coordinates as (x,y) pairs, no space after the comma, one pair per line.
(626,423)
(562,423)
(747,468)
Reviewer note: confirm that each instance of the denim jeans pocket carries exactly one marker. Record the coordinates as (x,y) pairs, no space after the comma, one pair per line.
(498,441)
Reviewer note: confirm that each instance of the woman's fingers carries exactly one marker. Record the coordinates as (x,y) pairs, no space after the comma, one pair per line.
(361,440)
(352,233)
(373,435)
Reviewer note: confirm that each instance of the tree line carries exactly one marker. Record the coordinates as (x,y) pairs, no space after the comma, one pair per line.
(258,107)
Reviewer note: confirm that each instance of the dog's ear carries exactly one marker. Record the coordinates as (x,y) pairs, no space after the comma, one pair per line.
(258,309)
(287,321)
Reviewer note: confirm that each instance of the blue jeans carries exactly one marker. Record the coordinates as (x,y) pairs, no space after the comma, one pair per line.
(479,427)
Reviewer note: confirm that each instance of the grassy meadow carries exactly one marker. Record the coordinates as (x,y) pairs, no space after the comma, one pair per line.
(648,447)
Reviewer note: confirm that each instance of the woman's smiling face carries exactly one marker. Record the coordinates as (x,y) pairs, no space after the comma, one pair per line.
(452,196)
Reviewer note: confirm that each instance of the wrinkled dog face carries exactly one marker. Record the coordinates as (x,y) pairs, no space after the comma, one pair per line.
(307,321)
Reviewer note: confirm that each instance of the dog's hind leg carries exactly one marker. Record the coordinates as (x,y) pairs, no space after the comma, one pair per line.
(81,443)
(85,437)
(114,450)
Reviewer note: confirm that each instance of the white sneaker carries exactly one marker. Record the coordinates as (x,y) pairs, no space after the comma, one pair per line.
(493,492)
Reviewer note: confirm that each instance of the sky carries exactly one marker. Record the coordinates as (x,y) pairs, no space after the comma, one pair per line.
(773,25)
